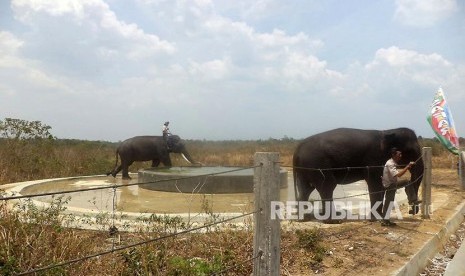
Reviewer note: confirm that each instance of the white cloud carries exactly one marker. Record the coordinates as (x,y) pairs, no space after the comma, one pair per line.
(24,70)
(307,73)
(211,70)
(26,10)
(402,76)
(9,43)
(396,57)
(262,8)
(424,13)
(217,69)
(398,77)
(91,20)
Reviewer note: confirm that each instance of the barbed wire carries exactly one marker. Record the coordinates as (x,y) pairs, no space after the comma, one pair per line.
(369,193)
(382,191)
(183,178)
(206,175)
(120,185)
(114,187)
(185,231)
(134,244)
(344,168)
(382,250)
(348,169)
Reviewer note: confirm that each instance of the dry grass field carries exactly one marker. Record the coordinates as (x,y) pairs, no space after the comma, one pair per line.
(31,238)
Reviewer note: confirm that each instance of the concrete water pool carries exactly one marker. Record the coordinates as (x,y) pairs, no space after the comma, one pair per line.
(174,197)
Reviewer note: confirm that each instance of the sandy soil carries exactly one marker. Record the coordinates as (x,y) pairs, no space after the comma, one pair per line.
(367,248)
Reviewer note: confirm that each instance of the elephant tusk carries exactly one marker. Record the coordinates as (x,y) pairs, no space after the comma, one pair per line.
(185,158)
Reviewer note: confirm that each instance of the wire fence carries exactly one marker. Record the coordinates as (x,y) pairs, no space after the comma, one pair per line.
(113,228)
(115,186)
(193,229)
(348,170)
(133,245)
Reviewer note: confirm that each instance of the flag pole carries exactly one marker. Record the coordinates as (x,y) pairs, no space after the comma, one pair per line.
(462,168)
(440,119)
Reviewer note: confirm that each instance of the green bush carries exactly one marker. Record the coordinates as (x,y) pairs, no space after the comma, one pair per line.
(193,266)
(311,240)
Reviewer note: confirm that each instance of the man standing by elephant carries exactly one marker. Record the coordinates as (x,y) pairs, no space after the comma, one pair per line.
(166,132)
(391,183)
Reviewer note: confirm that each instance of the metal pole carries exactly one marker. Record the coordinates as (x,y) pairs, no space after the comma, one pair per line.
(426,188)
(462,168)
(267,231)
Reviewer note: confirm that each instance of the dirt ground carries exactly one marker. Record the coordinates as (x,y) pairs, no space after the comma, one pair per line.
(367,248)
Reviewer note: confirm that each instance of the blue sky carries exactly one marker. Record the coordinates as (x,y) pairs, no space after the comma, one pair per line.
(221,70)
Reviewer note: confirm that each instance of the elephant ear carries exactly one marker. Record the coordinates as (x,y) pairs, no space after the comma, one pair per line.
(175,139)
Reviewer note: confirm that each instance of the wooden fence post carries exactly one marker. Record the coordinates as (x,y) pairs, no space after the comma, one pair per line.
(267,231)
(426,188)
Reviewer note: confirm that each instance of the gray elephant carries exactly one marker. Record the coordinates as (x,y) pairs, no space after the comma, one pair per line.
(146,148)
(345,155)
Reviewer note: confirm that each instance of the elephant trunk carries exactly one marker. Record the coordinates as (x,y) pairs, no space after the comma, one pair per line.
(415,180)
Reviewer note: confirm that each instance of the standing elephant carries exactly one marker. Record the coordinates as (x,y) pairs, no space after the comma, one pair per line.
(345,155)
(146,148)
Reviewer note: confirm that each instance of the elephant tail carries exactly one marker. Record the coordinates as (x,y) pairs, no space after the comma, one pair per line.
(116,165)
(294,174)
(304,182)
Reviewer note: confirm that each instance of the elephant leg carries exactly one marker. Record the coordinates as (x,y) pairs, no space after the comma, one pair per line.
(326,190)
(125,166)
(302,187)
(116,171)
(155,163)
(166,161)
(412,196)
(411,190)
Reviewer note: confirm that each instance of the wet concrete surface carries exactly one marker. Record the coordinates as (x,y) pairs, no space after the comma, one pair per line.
(139,200)
(136,199)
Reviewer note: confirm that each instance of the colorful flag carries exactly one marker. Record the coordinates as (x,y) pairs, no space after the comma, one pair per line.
(440,119)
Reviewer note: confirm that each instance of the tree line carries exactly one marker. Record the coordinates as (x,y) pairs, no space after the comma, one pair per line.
(29,151)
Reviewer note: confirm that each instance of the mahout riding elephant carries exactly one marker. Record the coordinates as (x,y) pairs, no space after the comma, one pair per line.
(345,155)
(146,148)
